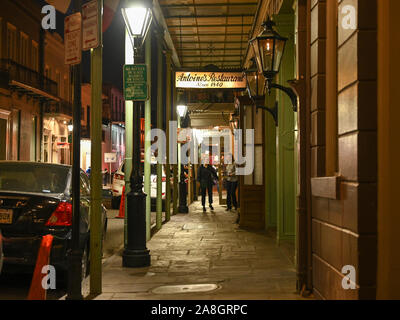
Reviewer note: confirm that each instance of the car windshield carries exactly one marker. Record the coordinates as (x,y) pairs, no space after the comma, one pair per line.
(33,177)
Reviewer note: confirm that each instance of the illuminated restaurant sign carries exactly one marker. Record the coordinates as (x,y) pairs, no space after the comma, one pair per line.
(210,80)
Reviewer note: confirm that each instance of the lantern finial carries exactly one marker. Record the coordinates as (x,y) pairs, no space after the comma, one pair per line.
(269,24)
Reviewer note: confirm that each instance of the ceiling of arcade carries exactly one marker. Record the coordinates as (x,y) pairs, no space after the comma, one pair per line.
(214,32)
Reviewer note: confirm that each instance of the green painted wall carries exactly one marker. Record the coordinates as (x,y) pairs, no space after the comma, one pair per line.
(286,177)
(270,166)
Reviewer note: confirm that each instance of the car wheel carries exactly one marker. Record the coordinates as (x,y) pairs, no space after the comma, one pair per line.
(115,202)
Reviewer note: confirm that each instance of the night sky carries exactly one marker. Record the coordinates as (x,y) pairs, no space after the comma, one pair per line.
(113,48)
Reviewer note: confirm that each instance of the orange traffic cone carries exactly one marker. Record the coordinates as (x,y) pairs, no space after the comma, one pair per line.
(121,214)
(37,291)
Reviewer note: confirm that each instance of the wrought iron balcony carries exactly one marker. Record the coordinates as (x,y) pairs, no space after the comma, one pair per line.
(25,79)
(58,108)
(118,116)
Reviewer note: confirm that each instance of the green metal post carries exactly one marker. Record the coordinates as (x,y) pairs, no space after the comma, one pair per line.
(129,59)
(168,118)
(175,166)
(147,143)
(159,126)
(96,230)
(179,147)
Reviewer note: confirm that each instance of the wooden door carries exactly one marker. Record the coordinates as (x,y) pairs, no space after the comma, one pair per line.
(251,187)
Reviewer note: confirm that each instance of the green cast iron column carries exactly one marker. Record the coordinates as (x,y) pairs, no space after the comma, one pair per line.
(168,118)
(147,143)
(129,59)
(159,126)
(175,165)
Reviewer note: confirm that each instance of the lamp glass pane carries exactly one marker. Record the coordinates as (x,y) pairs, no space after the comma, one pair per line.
(181,110)
(279,49)
(267,50)
(254,84)
(136,18)
(254,44)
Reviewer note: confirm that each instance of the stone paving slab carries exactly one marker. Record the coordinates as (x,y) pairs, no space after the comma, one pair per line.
(201,248)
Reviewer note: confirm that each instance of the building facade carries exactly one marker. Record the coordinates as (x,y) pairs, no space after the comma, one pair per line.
(113,131)
(116,101)
(345,146)
(34,87)
(23,85)
(57,116)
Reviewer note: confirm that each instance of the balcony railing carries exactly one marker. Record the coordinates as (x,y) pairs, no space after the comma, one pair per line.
(28,77)
(118,116)
(59,108)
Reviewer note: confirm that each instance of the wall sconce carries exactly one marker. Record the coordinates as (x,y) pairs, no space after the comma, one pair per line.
(255,83)
(268,49)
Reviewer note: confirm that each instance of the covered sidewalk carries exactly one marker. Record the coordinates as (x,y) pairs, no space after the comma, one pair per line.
(204,248)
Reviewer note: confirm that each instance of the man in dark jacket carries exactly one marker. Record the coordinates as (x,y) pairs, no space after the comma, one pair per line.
(206,175)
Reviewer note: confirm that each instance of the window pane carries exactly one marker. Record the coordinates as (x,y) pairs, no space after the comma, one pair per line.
(33,177)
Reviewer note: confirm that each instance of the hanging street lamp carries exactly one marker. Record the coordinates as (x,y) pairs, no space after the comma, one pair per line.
(181,108)
(137,16)
(255,83)
(268,48)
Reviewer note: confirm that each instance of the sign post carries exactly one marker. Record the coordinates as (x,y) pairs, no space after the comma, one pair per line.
(93,40)
(90,24)
(135,82)
(109,158)
(73,39)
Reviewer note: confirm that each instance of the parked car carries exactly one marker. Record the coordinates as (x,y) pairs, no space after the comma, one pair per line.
(119,183)
(35,200)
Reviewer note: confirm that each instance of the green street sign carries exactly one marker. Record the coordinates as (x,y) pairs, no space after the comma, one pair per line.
(135,82)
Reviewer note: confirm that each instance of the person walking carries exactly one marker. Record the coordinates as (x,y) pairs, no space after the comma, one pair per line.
(231,183)
(206,175)
(106,177)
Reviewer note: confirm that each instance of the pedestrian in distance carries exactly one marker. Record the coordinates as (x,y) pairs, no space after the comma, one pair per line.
(206,175)
(231,182)
(88,170)
(106,177)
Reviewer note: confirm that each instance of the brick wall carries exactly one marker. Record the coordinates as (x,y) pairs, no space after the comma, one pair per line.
(344,225)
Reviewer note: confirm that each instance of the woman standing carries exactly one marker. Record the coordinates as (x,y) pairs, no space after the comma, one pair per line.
(206,175)
(231,183)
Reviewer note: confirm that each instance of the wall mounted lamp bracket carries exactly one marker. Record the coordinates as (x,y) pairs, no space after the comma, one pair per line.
(259,104)
(273,111)
(289,91)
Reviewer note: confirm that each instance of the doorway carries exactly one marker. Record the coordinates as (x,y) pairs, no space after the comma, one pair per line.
(3,139)
(4,134)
